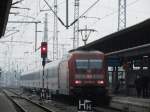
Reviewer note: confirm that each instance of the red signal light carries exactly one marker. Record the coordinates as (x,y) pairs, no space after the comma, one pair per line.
(43,49)
(100,82)
(78,82)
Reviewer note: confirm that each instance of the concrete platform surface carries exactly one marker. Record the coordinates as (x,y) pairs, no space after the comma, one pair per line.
(131,104)
(5,104)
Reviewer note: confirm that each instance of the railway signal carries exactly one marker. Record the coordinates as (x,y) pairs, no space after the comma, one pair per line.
(44,50)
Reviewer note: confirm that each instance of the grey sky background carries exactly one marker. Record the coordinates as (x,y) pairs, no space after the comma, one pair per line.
(106,10)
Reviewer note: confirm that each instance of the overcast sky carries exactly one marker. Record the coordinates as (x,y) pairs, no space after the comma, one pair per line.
(106,10)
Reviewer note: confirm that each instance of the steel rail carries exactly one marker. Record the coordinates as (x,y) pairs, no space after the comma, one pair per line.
(21,108)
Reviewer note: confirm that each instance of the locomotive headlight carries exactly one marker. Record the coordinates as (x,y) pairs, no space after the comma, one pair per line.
(78,81)
(100,82)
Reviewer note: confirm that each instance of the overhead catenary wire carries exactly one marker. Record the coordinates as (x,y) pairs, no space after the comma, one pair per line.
(55,13)
(74,20)
(84,12)
(112,13)
(24,42)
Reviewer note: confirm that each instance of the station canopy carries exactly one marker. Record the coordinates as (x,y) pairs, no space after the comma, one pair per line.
(5,6)
(131,37)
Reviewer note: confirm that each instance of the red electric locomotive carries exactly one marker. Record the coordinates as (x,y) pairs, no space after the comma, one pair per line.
(79,74)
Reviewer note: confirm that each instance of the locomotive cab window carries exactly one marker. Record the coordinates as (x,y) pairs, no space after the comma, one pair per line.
(82,64)
(90,64)
(95,64)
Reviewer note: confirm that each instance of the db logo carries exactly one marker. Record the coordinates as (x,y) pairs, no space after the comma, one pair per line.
(89,76)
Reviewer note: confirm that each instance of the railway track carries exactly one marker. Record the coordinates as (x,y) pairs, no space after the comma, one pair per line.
(57,106)
(25,105)
(51,106)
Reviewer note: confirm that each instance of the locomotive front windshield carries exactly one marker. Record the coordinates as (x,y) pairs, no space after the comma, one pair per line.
(82,64)
(95,64)
(91,64)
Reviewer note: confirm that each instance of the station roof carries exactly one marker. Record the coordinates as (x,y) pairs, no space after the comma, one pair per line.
(133,36)
(132,53)
(4,12)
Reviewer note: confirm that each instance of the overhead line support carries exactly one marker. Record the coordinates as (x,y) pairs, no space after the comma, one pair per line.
(34,22)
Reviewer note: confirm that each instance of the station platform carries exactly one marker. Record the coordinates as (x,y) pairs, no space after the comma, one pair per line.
(5,104)
(131,104)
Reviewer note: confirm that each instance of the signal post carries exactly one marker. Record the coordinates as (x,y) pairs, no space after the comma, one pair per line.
(44,50)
